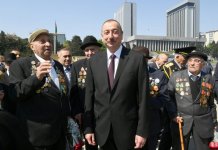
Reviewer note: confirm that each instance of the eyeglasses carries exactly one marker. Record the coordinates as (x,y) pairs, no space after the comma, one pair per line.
(197,61)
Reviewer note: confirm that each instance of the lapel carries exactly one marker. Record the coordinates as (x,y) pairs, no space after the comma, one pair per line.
(103,66)
(59,70)
(61,78)
(122,62)
(185,74)
(33,63)
(56,70)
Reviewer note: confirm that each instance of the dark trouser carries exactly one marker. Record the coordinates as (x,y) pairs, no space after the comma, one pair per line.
(110,144)
(199,143)
(151,143)
(59,145)
(90,147)
(166,139)
(87,145)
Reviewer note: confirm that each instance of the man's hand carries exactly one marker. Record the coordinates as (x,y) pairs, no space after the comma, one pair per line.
(139,142)
(90,137)
(43,69)
(178,119)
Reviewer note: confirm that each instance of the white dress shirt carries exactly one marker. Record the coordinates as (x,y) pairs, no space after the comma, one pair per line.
(116,60)
(52,72)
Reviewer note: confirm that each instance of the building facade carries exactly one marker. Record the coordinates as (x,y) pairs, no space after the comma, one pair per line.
(126,16)
(162,43)
(61,38)
(211,36)
(183,20)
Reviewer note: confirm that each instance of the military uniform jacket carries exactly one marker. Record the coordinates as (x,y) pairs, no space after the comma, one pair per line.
(171,67)
(153,65)
(192,110)
(158,98)
(41,106)
(79,69)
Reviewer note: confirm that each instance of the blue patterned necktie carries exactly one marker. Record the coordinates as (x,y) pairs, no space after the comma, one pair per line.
(68,73)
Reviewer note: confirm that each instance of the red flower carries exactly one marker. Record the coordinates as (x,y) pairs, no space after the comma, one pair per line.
(79,146)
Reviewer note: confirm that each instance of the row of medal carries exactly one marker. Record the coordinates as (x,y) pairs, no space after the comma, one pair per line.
(82,77)
(182,86)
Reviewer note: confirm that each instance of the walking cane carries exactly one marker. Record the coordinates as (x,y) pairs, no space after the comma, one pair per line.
(181,136)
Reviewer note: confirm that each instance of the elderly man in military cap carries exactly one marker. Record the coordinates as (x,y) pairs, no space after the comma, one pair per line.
(178,63)
(41,92)
(191,94)
(90,46)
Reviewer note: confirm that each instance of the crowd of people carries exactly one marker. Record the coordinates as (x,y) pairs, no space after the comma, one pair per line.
(119,99)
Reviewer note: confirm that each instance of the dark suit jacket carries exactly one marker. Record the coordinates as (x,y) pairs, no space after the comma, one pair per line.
(42,113)
(12,134)
(157,101)
(189,108)
(8,102)
(122,109)
(78,85)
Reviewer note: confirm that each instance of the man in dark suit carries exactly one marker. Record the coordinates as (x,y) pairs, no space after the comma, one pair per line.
(41,93)
(191,92)
(116,98)
(65,58)
(90,46)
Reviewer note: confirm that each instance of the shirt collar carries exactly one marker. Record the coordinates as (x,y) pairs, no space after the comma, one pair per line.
(117,52)
(43,60)
(66,68)
(190,74)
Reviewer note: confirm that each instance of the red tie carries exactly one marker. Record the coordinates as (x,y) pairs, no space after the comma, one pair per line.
(111,70)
